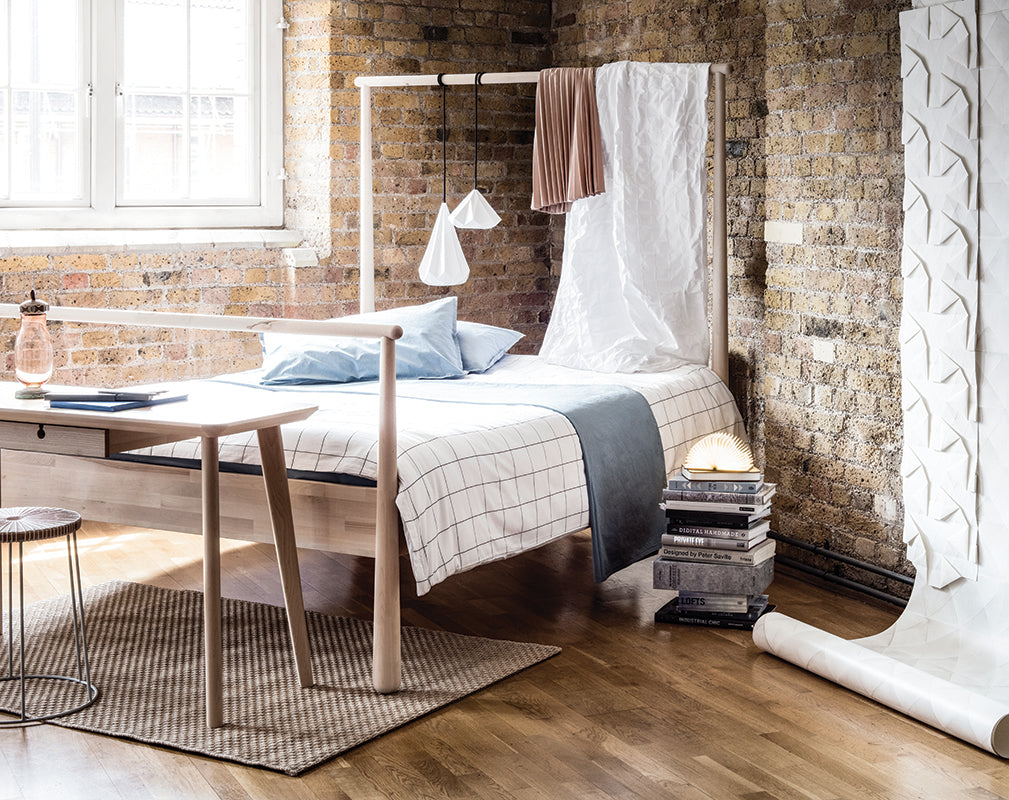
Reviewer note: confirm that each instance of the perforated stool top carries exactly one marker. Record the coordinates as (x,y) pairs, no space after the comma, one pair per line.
(33,523)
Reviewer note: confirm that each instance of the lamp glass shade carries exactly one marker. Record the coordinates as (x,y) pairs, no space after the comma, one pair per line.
(33,350)
(444,263)
(475,212)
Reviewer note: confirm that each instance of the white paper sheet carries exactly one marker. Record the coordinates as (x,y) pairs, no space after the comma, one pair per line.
(945,661)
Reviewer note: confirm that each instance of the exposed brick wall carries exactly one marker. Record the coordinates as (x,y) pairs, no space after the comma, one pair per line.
(510,282)
(831,368)
(813,138)
(248,282)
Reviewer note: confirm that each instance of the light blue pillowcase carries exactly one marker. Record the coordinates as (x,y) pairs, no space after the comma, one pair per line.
(427,349)
(482,346)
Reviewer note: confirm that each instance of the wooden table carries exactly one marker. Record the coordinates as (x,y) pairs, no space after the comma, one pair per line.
(210,412)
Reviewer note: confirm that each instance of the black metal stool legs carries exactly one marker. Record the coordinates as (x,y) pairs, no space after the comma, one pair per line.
(83,667)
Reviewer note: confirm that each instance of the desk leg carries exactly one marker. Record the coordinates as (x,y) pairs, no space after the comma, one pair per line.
(212,582)
(278,496)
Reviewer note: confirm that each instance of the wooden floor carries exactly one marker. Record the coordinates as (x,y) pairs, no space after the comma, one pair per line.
(628,709)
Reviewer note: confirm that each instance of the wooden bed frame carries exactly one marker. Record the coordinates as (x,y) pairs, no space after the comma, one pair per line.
(356,520)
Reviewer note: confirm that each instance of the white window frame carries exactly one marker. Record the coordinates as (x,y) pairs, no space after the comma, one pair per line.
(102,55)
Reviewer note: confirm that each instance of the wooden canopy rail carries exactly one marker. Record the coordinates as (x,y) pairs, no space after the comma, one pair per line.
(719,248)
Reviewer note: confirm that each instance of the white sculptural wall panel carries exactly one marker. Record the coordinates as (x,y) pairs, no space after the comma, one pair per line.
(946,660)
(939,266)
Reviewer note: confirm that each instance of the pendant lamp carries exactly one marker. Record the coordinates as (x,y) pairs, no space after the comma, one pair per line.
(444,263)
(474,211)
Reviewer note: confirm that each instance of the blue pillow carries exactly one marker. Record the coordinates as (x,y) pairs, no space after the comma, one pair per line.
(482,346)
(427,349)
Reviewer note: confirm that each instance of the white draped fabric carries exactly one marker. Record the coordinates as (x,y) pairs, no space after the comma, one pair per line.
(633,289)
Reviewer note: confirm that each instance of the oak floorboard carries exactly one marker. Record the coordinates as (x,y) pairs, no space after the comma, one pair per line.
(628,709)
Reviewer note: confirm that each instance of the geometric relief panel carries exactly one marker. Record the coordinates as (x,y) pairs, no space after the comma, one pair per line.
(945,661)
(939,264)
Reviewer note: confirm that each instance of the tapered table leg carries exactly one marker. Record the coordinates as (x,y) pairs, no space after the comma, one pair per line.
(212,582)
(278,495)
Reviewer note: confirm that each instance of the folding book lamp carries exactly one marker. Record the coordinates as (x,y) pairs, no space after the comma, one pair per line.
(720,452)
(444,263)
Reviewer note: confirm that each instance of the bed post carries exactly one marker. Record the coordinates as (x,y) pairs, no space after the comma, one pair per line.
(366,222)
(386,661)
(719,235)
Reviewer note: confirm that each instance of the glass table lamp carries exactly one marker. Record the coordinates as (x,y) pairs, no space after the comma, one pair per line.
(33,350)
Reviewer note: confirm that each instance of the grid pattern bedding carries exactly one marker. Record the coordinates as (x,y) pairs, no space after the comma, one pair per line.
(480,482)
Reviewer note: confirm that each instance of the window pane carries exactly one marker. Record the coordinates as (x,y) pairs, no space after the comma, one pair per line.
(155,44)
(219,60)
(220,147)
(4,45)
(188,126)
(155,159)
(45,146)
(5,186)
(42,141)
(44,43)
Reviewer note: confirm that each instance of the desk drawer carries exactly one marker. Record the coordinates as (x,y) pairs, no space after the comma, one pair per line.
(63,439)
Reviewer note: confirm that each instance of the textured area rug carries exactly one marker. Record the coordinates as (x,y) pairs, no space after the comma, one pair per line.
(146,650)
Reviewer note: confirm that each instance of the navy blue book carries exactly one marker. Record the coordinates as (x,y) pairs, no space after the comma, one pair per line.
(111,401)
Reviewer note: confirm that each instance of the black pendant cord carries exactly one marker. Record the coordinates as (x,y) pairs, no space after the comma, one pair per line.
(476,121)
(444,138)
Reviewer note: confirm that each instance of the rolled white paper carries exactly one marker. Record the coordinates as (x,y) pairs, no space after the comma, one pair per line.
(959,710)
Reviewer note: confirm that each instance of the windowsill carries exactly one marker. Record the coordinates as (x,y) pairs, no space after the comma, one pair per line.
(67,242)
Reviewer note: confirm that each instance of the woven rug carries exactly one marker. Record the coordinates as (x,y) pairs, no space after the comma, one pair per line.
(146,650)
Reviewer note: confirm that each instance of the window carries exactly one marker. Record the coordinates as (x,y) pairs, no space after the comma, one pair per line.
(140,113)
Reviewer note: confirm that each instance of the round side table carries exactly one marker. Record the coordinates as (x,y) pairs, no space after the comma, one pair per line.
(33,524)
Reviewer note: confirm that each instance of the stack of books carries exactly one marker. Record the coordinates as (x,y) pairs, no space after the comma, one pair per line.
(716,553)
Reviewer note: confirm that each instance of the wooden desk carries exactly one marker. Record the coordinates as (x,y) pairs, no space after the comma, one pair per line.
(209,413)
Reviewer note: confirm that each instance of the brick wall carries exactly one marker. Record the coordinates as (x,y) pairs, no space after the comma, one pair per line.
(509,282)
(244,282)
(831,369)
(813,148)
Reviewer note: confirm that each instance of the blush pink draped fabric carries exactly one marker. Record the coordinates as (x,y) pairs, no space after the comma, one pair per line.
(567,147)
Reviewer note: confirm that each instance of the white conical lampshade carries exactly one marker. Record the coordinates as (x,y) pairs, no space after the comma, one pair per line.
(444,263)
(475,212)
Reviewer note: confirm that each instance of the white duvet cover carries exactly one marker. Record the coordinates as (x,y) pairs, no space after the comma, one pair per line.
(480,482)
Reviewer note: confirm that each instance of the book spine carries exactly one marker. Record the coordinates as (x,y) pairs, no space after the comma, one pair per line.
(701,577)
(676,540)
(733,487)
(713,533)
(710,622)
(703,556)
(695,496)
(747,609)
(708,606)
(741,600)
(713,508)
(727,520)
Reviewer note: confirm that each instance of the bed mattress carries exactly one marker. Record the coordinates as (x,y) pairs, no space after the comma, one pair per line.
(478,481)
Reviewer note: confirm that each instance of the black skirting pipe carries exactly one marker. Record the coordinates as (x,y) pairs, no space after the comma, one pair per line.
(827,576)
(823,551)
